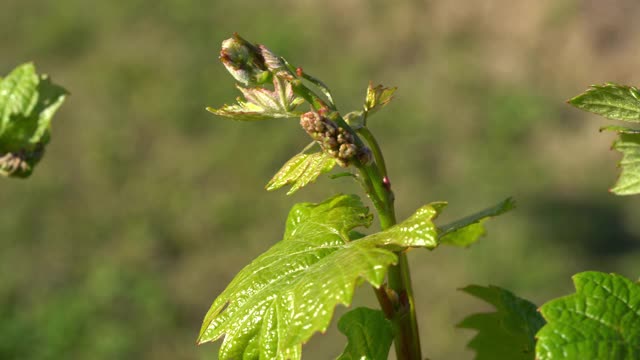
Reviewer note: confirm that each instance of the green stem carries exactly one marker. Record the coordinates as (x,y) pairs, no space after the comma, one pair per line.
(377,186)
(375,148)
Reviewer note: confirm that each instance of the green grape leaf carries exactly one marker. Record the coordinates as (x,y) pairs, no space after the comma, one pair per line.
(417,230)
(468,230)
(377,97)
(600,321)
(628,143)
(277,302)
(370,335)
(612,101)
(261,103)
(508,333)
(28,102)
(301,170)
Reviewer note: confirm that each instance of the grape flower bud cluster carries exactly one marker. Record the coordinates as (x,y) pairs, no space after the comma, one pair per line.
(334,140)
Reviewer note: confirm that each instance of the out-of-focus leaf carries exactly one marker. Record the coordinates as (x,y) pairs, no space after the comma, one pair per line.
(277,302)
(301,170)
(508,333)
(28,102)
(370,335)
(628,144)
(261,103)
(600,321)
(468,230)
(610,100)
(620,129)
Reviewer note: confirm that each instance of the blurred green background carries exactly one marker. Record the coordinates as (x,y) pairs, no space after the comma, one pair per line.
(145,205)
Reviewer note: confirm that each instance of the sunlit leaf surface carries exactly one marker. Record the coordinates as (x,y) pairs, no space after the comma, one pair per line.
(260,103)
(301,170)
(610,100)
(600,321)
(278,301)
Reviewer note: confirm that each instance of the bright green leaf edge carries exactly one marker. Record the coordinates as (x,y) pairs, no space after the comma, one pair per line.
(601,320)
(610,100)
(368,332)
(300,171)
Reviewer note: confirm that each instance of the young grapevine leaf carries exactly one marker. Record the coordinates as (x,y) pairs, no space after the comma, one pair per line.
(468,230)
(378,97)
(28,102)
(628,144)
(417,230)
(370,335)
(261,103)
(600,321)
(288,293)
(508,333)
(301,170)
(611,101)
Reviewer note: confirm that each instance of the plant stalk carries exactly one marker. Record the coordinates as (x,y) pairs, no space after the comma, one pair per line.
(375,182)
(378,188)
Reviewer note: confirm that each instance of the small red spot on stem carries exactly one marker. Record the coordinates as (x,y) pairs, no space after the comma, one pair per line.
(387,183)
(299,71)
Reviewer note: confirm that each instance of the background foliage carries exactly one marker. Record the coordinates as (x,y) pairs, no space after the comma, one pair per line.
(146,206)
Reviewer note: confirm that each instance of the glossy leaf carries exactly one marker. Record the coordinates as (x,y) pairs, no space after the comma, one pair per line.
(600,321)
(370,335)
(628,143)
(288,293)
(301,170)
(261,103)
(417,230)
(610,100)
(508,333)
(468,230)
(28,102)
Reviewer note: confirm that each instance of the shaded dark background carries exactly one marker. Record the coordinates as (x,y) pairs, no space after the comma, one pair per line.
(145,205)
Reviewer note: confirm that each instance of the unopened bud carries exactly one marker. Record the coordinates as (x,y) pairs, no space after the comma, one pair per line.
(275,64)
(312,123)
(347,151)
(244,61)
